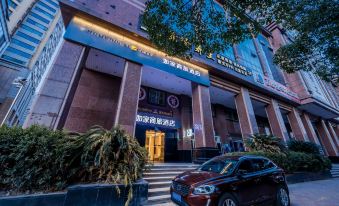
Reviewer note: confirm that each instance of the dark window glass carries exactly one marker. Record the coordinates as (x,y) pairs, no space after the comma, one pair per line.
(53,3)
(23,44)
(46,6)
(18,52)
(30,29)
(261,164)
(156,97)
(246,166)
(31,21)
(13,59)
(25,36)
(44,12)
(12,4)
(37,16)
(221,166)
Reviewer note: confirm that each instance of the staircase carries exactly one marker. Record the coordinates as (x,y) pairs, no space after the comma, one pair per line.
(159,179)
(335,170)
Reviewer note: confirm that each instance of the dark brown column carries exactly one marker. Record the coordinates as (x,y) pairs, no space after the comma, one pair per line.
(186,123)
(311,134)
(326,139)
(297,126)
(129,97)
(276,121)
(248,123)
(333,135)
(49,105)
(202,116)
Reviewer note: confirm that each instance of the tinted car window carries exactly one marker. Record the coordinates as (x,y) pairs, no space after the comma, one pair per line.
(246,166)
(261,164)
(225,166)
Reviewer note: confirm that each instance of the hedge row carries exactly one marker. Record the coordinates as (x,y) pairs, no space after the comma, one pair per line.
(38,159)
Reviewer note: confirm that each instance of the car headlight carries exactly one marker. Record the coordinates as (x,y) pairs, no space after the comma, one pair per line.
(204,190)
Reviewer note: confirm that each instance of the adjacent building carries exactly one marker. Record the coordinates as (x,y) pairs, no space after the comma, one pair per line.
(35,30)
(108,73)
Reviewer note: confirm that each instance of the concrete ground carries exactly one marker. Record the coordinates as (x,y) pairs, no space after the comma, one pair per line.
(314,193)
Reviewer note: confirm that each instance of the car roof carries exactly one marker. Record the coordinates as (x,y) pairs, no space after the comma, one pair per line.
(238,157)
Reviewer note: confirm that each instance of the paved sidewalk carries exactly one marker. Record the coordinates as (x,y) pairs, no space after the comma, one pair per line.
(315,193)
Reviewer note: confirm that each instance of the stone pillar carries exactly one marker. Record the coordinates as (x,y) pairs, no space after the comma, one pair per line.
(127,106)
(333,135)
(276,120)
(202,116)
(184,142)
(50,104)
(247,121)
(311,134)
(297,126)
(326,139)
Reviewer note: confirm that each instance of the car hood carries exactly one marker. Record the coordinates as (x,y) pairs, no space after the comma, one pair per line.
(196,177)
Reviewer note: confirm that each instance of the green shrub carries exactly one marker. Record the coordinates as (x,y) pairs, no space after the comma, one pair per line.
(265,143)
(294,161)
(38,159)
(301,146)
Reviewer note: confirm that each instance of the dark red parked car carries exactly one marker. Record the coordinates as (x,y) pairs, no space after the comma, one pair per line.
(232,181)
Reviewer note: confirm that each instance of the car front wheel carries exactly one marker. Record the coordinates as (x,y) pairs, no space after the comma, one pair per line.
(282,197)
(227,200)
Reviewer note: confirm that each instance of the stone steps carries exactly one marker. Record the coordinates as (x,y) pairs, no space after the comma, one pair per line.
(159,177)
(335,170)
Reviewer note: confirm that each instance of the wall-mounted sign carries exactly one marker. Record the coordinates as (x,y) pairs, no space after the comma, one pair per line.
(142,94)
(157,121)
(188,133)
(95,36)
(276,86)
(225,62)
(156,111)
(173,101)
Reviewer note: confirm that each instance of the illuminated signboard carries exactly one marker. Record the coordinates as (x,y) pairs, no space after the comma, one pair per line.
(157,121)
(95,36)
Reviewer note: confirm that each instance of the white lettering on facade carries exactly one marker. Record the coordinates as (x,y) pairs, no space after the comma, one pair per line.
(155,120)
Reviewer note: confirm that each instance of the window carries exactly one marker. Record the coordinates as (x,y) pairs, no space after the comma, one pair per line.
(18,52)
(245,166)
(25,36)
(37,16)
(30,29)
(231,115)
(44,12)
(156,97)
(53,3)
(262,164)
(13,59)
(221,166)
(229,53)
(46,6)
(248,55)
(31,21)
(12,4)
(23,44)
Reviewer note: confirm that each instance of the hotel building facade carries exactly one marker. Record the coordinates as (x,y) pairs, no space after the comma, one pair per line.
(34,30)
(107,73)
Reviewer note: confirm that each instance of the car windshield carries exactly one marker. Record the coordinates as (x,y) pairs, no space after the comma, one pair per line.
(221,166)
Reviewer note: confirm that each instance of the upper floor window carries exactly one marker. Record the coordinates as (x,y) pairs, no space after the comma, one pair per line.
(156,97)
(44,12)
(29,38)
(37,16)
(31,21)
(46,6)
(248,55)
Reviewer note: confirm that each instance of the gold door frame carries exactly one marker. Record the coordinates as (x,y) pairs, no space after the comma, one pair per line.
(155,145)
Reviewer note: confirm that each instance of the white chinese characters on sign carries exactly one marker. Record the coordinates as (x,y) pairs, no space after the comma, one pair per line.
(181,67)
(148,119)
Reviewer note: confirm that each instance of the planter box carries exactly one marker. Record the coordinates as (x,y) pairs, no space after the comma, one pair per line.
(83,195)
(307,176)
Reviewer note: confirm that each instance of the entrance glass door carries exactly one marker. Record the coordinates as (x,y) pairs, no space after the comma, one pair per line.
(155,145)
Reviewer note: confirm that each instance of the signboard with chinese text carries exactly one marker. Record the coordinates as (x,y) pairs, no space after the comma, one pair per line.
(157,121)
(92,35)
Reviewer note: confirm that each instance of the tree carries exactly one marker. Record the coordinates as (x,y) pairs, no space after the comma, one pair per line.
(177,26)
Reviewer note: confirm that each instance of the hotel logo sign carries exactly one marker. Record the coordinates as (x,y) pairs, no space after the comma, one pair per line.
(157,121)
(92,35)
